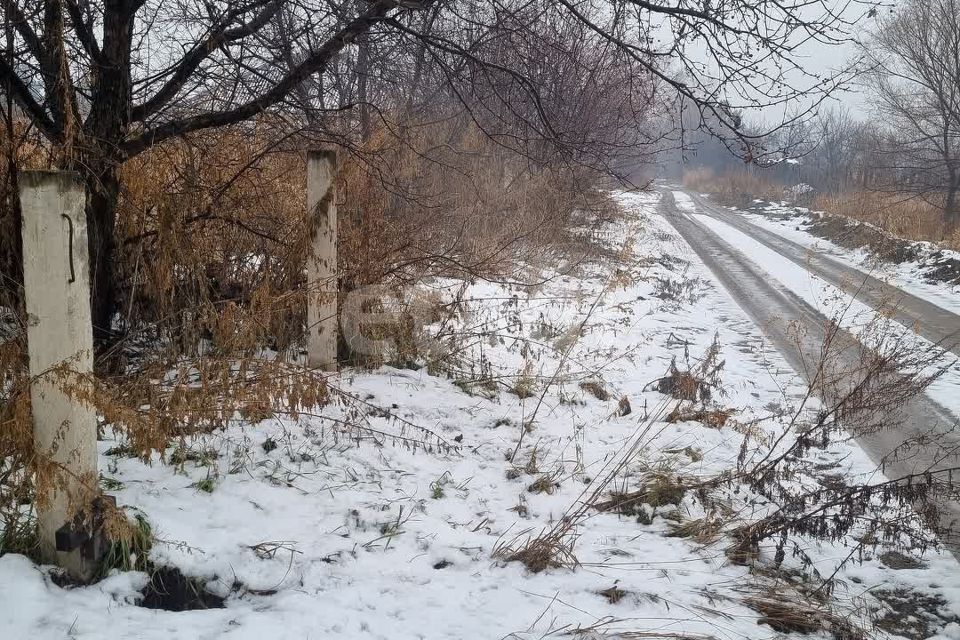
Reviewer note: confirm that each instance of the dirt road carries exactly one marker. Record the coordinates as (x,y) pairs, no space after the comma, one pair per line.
(774,307)
(933,322)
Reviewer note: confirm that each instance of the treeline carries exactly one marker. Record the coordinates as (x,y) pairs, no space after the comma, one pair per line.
(906,146)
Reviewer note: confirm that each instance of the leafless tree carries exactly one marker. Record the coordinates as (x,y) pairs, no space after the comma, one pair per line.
(915,77)
(105,80)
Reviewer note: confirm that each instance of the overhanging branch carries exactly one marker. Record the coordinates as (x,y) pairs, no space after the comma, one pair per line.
(22,96)
(219,36)
(376,12)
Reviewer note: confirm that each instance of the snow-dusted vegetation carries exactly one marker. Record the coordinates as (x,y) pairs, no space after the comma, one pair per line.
(581,456)
(469,319)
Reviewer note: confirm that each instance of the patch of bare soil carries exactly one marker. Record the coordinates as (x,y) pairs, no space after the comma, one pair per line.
(943,268)
(850,234)
(913,614)
(899,561)
(170,590)
(853,235)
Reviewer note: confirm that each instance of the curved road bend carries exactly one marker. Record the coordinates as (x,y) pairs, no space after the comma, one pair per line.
(773,308)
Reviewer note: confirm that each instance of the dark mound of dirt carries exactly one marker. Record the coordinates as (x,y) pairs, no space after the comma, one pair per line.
(943,269)
(913,614)
(937,267)
(170,590)
(854,235)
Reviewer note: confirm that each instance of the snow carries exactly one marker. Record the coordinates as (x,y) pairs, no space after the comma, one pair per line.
(788,221)
(833,302)
(684,202)
(389,541)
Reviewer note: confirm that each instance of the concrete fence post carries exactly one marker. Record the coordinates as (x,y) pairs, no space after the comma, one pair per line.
(59,332)
(322,277)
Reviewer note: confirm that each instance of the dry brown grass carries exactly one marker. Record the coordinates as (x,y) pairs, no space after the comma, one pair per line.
(900,215)
(713,418)
(220,218)
(212,236)
(733,188)
(908,218)
(552,549)
(793,612)
(658,489)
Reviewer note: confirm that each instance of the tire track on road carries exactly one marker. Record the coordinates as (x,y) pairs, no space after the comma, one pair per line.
(933,322)
(775,309)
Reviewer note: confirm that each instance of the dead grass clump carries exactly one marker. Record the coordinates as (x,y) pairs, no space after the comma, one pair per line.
(663,488)
(713,418)
(596,389)
(551,550)
(626,503)
(702,530)
(683,385)
(745,547)
(791,612)
(525,387)
(697,381)
(130,542)
(659,489)
(544,484)
(613,594)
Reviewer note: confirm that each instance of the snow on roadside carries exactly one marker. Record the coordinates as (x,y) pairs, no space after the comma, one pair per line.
(788,221)
(829,300)
(314,536)
(684,202)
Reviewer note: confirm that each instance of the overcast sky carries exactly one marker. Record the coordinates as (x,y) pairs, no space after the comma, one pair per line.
(824,59)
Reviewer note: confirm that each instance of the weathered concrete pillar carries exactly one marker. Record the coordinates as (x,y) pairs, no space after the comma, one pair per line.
(57,293)
(322,283)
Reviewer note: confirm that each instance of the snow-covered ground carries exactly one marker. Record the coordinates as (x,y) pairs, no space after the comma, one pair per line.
(790,222)
(321,535)
(827,299)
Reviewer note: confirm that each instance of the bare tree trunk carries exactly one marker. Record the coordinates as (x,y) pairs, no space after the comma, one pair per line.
(11,249)
(105,128)
(363,72)
(951,209)
(102,200)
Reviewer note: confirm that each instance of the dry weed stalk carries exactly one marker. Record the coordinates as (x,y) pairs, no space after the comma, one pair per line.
(859,386)
(695,383)
(553,547)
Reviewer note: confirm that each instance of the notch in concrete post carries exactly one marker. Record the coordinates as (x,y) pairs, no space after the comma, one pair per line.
(322,276)
(60,333)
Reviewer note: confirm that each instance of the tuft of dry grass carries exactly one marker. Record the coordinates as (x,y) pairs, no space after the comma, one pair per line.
(792,612)
(551,550)
(697,381)
(596,389)
(613,594)
(544,484)
(701,530)
(659,488)
(713,418)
